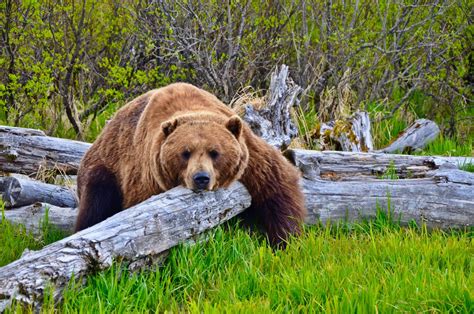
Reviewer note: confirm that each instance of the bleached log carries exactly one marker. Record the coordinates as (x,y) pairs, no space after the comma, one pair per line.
(33,217)
(444,200)
(336,165)
(344,186)
(415,137)
(27,151)
(133,235)
(18,192)
(273,123)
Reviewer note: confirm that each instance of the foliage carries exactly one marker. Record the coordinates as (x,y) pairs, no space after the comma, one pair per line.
(67,66)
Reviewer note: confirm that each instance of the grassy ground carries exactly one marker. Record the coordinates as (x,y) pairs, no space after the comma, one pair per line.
(14,239)
(365,268)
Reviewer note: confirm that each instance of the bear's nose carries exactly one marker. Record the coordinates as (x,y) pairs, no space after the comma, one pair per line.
(201,180)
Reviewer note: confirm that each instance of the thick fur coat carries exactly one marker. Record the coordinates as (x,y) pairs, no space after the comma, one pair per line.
(182,135)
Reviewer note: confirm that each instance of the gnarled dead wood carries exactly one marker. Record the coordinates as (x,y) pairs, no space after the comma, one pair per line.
(273,123)
(21,191)
(443,200)
(27,151)
(351,135)
(344,185)
(138,233)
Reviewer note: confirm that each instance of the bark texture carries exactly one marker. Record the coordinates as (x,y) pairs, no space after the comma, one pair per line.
(273,123)
(33,217)
(133,235)
(20,192)
(415,137)
(28,151)
(336,165)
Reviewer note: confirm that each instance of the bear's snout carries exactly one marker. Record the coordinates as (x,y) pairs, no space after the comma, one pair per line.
(201,180)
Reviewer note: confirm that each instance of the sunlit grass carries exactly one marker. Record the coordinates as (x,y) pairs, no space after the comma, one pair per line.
(345,268)
(442,146)
(14,239)
(368,267)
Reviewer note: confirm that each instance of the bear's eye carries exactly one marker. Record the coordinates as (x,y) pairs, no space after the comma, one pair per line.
(186,154)
(214,154)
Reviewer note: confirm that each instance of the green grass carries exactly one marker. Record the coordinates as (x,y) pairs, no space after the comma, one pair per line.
(469,167)
(346,268)
(14,239)
(449,147)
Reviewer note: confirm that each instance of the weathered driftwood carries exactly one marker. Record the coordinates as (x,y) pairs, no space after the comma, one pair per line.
(336,165)
(415,137)
(326,165)
(444,200)
(28,151)
(361,128)
(273,123)
(33,217)
(133,235)
(20,192)
(343,185)
(352,135)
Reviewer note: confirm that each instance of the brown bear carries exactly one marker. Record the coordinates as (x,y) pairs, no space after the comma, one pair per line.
(182,135)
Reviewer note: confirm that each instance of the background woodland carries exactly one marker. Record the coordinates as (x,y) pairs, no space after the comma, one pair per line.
(67,66)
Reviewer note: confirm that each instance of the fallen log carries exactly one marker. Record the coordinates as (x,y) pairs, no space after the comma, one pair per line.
(320,168)
(445,200)
(33,217)
(133,235)
(20,192)
(414,138)
(28,151)
(344,186)
(336,165)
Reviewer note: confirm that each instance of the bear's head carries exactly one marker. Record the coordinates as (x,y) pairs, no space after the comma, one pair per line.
(201,152)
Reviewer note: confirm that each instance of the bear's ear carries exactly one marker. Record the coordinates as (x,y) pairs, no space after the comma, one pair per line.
(169,126)
(234,125)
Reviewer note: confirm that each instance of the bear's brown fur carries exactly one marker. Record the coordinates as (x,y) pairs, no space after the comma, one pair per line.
(182,135)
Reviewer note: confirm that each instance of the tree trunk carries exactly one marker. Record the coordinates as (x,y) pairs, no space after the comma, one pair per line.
(20,192)
(134,235)
(28,151)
